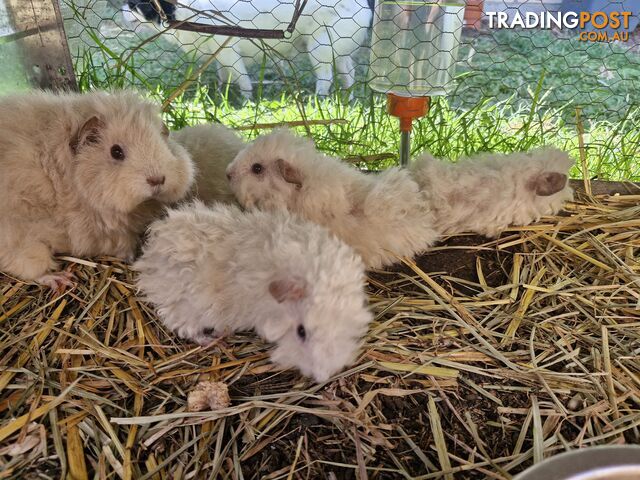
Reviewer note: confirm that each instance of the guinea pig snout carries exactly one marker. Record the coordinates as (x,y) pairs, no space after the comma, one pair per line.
(156,180)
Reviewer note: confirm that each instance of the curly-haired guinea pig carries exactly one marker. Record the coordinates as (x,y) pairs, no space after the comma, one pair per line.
(381,216)
(222,269)
(80,174)
(488,192)
(399,212)
(212,147)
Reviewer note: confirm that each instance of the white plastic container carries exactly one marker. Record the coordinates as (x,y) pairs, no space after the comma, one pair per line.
(414,46)
(612,462)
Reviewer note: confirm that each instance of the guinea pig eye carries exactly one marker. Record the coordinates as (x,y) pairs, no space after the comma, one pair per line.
(302,333)
(257,168)
(117,153)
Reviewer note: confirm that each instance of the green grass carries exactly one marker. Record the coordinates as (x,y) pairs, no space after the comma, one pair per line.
(517,90)
(601,78)
(612,148)
(362,128)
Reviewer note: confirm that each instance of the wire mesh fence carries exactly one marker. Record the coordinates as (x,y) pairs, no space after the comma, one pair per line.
(512,88)
(138,36)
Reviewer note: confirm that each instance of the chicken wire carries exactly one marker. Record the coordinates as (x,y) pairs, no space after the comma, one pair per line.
(99,32)
(329,54)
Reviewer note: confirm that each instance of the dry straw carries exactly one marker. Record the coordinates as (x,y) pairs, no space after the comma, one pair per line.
(462,376)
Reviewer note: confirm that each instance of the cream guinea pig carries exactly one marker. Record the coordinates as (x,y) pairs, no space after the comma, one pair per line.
(212,147)
(224,270)
(488,192)
(81,174)
(398,212)
(380,216)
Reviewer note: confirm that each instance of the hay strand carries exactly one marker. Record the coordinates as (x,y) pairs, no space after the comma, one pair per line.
(483,358)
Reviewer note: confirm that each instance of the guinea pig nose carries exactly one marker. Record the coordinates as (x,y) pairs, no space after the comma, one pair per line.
(228,175)
(156,180)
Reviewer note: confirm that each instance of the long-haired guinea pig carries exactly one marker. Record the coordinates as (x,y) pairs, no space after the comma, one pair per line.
(381,216)
(81,174)
(488,192)
(212,147)
(224,270)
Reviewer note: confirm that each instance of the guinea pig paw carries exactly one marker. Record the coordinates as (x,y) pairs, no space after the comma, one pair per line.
(548,183)
(209,336)
(58,280)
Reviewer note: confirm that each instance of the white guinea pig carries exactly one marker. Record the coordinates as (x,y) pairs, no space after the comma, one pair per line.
(381,216)
(224,270)
(488,192)
(212,147)
(81,174)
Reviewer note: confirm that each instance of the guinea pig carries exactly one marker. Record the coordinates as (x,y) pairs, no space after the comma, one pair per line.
(212,147)
(81,174)
(224,270)
(488,192)
(381,216)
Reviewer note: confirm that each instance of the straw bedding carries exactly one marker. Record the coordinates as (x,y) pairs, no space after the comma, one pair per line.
(473,370)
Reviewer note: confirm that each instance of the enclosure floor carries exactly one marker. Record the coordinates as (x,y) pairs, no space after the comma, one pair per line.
(485,356)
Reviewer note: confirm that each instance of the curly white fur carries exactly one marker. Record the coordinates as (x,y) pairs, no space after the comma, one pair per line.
(62,189)
(298,286)
(381,216)
(488,192)
(212,148)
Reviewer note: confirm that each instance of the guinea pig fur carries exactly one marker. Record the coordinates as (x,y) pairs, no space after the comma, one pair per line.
(297,285)
(488,192)
(212,147)
(81,174)
(381,216)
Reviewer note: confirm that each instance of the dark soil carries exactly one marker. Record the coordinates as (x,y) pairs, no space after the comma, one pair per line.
(331,452)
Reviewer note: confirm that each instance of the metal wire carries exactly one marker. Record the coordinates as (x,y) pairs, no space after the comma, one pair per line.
(234,31)
(318,48)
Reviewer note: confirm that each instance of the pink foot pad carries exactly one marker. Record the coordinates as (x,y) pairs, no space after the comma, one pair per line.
(209,336)
(56,281)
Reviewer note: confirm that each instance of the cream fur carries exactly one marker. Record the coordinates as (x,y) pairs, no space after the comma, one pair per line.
(214,268)
(82,202)
(212,148)
(381,216)
(488,192)
(397,212)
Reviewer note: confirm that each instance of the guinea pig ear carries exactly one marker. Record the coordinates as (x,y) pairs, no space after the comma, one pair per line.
(288,289)
(88,134)
(165,130)
(548,183)
(289,173)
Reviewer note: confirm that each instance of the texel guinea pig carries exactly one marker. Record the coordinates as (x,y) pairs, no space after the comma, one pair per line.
(381,216)
(397,213)
(488,192)
(212,147)
(81,174)
(220,269)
